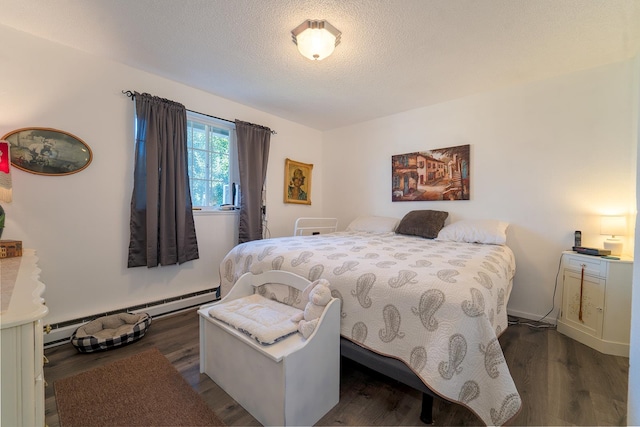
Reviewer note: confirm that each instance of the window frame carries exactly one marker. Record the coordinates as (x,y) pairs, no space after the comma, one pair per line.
(234,174)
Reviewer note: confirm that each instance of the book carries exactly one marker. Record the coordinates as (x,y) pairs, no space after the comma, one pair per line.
(10,248)
(591,251)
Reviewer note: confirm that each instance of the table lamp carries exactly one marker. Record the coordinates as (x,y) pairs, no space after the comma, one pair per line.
(613,226)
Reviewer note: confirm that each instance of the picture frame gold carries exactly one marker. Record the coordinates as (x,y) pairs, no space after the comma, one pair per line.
(47,151)
(297,182)
(433,175)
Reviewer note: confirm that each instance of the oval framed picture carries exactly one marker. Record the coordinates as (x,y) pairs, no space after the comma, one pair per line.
(46,151)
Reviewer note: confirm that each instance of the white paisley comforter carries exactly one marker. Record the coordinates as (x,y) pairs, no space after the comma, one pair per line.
(437,306)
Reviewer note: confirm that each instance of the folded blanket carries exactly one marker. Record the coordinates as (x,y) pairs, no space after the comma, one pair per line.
(265,320)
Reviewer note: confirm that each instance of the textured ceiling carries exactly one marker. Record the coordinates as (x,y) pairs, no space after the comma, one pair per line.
(395,55)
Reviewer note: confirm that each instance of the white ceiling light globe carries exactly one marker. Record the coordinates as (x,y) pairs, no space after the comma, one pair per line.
(316,39)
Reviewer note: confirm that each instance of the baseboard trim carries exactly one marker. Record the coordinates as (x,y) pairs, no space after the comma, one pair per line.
(551,318)
(61,332)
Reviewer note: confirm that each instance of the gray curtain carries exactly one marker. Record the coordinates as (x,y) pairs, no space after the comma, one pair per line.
(253,155)
(161,226)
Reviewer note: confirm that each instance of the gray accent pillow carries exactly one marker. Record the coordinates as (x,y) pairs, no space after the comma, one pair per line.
(423,223)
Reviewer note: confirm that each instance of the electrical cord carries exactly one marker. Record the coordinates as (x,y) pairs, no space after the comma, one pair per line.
(539,324)
(555,288)
(530,323)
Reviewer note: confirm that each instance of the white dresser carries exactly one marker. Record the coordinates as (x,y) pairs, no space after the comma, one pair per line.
(22,355)
(596,302)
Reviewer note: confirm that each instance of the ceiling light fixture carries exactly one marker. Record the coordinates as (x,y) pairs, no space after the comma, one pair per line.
(316,39)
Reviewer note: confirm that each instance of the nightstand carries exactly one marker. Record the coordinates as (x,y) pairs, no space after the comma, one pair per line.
(21,341)
(596,301)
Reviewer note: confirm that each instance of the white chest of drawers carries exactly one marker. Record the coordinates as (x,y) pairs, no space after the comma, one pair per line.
(21,342)
(596,302)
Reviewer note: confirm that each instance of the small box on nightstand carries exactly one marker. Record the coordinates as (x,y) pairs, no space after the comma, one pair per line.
(10,248)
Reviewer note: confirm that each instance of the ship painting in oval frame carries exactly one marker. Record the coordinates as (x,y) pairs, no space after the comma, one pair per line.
(46,151)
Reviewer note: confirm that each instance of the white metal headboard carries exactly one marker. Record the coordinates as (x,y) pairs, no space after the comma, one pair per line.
(311,226)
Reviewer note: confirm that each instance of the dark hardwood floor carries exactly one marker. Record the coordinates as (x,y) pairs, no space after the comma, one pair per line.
(561,381)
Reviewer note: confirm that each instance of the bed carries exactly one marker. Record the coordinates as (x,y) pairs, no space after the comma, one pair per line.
(422,302)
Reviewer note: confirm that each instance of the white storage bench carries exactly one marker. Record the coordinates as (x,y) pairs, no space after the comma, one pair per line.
(292,382)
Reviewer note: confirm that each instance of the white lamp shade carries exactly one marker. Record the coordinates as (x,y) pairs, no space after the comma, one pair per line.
(613,225)
(316,39)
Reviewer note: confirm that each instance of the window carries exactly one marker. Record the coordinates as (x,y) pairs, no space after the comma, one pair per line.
(212,160)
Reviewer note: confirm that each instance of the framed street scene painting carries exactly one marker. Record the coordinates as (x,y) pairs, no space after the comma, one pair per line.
(441,174)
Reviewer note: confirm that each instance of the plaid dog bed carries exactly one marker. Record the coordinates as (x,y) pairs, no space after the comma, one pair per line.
(111,331)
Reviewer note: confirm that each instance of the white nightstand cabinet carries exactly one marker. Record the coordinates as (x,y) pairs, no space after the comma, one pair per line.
(21,338)
(596,302)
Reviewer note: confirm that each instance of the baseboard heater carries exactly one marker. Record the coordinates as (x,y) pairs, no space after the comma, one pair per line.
(59,333)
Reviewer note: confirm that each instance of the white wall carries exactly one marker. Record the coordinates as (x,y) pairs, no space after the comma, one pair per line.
(548,157)
(633,401)
(79,224)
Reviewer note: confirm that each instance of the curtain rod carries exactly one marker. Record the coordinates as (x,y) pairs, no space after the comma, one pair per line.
(132,96)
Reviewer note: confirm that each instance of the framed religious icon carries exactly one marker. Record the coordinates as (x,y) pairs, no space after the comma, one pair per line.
(46,151)
(297,182)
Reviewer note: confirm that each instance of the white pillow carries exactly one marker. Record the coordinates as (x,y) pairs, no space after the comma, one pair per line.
(373,224)
(487,231)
